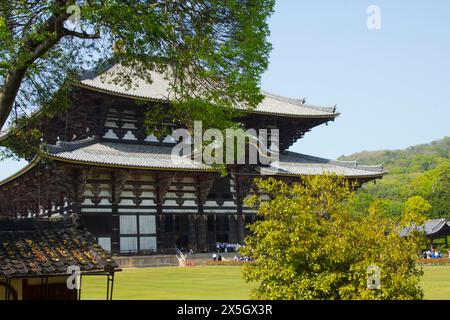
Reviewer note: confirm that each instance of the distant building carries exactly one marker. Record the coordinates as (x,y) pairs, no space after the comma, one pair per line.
(434,229)
(98,161)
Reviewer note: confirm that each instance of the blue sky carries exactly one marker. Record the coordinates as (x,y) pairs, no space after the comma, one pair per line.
(392,86)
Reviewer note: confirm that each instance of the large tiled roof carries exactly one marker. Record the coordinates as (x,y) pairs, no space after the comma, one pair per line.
(92,151)
(40,247)
(107,81)
(292,163)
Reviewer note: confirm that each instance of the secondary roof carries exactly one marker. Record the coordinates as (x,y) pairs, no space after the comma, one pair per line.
(94,152)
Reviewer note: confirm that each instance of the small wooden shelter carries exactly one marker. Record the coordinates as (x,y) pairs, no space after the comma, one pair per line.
(35,256)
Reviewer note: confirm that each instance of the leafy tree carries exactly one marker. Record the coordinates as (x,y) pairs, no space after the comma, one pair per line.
(415,208)
(362,201)
(215,50)
(386,208)
(434,185)
(309,245)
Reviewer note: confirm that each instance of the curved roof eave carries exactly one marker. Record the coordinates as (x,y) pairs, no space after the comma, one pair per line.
(22,171)
(124,166)
(113,165)
(377,175)
(4,135)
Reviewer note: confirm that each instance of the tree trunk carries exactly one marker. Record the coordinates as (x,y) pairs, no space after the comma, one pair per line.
(8,93)
(31,49)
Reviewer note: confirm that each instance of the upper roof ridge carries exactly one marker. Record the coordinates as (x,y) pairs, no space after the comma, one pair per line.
(299,102)
(342,163)
(102,67)
(356,165)
(307,156)
(61,146)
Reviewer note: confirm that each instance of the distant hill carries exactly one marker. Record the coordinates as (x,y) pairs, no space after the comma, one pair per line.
(418,170)
(417,158)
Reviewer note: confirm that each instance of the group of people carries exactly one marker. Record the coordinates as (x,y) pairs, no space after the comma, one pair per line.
(435,254)
(217,257)
(227,247)
(239,258)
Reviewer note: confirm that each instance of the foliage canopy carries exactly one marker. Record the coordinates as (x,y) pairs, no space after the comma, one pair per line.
(310,245)
(215,50)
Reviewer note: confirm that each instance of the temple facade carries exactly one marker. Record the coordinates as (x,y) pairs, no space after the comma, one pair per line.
(98,163)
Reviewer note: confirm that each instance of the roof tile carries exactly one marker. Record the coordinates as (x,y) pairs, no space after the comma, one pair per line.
(42,247)
(107,80)
(159,157)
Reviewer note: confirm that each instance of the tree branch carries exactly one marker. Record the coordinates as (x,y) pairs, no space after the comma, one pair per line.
(81,35)
(31,50)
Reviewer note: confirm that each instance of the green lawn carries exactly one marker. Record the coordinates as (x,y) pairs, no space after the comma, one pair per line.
(172,283)
(436,282)
(214,282)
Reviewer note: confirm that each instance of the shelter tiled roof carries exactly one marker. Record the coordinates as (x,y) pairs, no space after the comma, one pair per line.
(434,227)
(31,247)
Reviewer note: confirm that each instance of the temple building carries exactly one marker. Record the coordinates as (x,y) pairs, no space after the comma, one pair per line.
(98,162)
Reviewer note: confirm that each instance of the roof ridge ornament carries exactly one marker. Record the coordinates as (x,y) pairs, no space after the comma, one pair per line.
(61,145)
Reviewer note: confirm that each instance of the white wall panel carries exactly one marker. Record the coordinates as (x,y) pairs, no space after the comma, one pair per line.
(147,243)
(105,242)
(128,224)
(128,243)
(147,224)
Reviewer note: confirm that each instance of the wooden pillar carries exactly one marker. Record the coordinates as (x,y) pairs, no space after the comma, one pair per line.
(241,228)
(160,232)
(118,180)
(192,237)
(204,185)
(61,201)
(77,192)
(213,233)
(175,231)
(202,229)
(232,232)
(238,194)
(163,181)
(202,233)
(115,219)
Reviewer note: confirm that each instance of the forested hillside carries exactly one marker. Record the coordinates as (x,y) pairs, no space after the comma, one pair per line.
(418,170)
